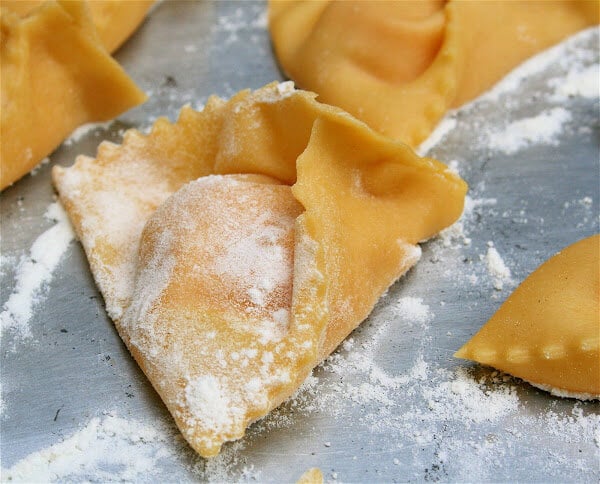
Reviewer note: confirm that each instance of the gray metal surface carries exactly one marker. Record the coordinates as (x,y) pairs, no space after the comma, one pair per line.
(356,429)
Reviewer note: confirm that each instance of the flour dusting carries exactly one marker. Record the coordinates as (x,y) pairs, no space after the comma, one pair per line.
(543,128)
(208,402)
(35,272)
(497,268)
(413,309)
(108,448)
(84,130)
(582,82)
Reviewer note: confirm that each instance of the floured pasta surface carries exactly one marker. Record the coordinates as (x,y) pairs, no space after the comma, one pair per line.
(237,247)
(548,331)
(211,308)
(56,75)
(407,62)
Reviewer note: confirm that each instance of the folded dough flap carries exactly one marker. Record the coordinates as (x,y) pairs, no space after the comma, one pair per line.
(548,330)
(286,221)
(115,20)
(369,201)
(399,71)
(56,75)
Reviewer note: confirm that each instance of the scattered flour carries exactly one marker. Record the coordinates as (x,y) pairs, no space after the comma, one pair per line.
(35,271)
(445,395)
(231,465)
(574,426)
(455,235)
(413,309)
(467,399)
(106,449)
(7,262)
(462,420)
(541,129)
(497,268)
(238,20)
(578,83)
(42,163)
(82,131)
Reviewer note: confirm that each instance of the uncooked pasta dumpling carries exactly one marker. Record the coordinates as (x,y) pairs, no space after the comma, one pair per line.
(236,248)
(548,331)
(56,75)
(399,65)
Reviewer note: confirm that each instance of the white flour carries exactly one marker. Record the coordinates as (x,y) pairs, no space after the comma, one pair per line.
(544,128)
(580,82)
(497,268)
(84,130)
(237,21)
(106,449)
(413,309)
(568,57)
(36,170)
(34,273)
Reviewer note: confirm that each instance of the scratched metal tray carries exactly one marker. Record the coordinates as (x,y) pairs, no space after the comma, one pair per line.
(392,404)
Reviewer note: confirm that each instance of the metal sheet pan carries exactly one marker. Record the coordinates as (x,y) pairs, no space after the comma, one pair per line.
(392,404)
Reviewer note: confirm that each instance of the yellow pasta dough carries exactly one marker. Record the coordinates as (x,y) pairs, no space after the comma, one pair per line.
(115,20)
(236,248)
(548,331)
(311,476)
(56,75)
(400,65)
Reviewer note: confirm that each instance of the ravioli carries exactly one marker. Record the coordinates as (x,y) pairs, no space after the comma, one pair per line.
(56,75)
(237,247)
(548,331)
(399,66)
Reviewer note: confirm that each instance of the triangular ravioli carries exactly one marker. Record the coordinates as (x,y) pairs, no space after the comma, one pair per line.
(548,330)
(56,75)
(406,63)
(236,248)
